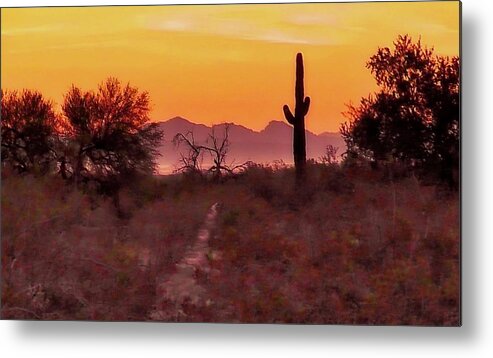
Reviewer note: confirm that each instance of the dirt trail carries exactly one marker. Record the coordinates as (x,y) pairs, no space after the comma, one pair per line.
(182,286)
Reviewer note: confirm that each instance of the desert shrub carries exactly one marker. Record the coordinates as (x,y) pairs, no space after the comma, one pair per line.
(276,185)
(68,256)
(384,252)
(330,177)
(265,182)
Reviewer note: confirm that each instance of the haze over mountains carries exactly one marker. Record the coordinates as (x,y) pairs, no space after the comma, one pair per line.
(272,143)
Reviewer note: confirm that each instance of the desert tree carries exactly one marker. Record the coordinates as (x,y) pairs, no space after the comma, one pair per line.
(414,117)
(28,130)
(191,161)
(216,148)
(109,134)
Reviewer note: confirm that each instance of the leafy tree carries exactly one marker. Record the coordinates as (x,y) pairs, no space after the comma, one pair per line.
(107,133)
(28,125)
(414,117)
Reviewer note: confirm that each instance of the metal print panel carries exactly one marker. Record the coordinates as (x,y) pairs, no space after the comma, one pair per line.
(263,163)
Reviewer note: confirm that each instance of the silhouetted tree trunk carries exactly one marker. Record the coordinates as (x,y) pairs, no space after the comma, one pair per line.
(298,121)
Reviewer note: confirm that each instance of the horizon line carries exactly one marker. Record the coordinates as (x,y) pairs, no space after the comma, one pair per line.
(239,125)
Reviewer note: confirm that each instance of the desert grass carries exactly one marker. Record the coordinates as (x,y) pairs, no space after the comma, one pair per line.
(352,247)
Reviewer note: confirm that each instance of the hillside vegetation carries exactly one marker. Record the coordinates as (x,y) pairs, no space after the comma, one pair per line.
(356,249)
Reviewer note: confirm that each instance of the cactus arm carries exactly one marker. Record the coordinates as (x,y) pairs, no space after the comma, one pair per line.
(287,113)
(306,105)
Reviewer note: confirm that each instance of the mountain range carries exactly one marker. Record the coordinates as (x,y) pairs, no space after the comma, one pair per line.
(272,143)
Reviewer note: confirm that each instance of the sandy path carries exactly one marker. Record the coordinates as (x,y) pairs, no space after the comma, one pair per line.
(182,285)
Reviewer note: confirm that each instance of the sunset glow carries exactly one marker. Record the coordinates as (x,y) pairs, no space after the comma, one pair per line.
(213,64)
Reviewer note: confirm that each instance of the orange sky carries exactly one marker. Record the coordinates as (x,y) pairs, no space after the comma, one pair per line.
(212,64)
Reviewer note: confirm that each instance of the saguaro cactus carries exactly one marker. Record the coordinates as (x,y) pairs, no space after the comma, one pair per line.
(298,120)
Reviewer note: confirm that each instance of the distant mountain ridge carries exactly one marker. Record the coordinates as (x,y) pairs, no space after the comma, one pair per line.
(272,143)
